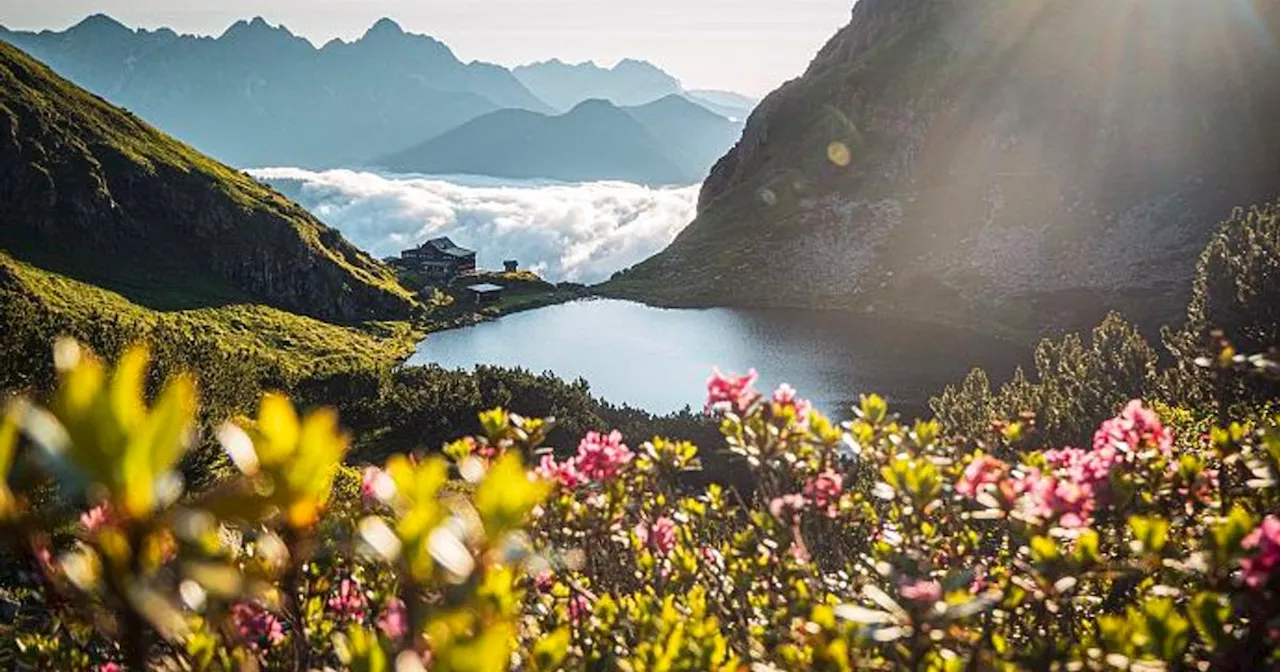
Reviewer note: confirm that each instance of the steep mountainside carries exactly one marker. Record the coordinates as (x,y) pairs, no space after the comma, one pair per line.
(670,141)
(89,191)
(258,95)
(1029,163)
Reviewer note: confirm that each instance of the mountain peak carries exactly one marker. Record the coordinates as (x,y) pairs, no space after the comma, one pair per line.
(100,23)
(635,64)
(593,104)
(384,27)
(258,26)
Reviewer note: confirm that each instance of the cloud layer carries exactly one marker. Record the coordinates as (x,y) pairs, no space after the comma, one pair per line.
(576,232)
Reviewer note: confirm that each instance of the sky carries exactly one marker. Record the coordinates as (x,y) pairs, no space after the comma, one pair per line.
(749,46)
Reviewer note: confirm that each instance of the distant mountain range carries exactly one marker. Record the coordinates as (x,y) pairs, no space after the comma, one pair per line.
(629,83)
(258,95)
(668,141)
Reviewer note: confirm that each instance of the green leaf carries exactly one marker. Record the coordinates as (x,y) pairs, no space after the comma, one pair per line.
(873,409)
(8,447)
(1167,630)
(361,651)
(1044,550)
(550,651)
(278,428)
(1152,533)
(1228,535)
(1086,550)
(507,495)
(1209,614)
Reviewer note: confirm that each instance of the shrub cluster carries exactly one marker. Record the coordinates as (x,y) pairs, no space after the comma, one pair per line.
(872,544)
(1078,383)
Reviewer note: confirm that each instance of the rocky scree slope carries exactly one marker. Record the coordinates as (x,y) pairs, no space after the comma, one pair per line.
(1032,163)
(90,191)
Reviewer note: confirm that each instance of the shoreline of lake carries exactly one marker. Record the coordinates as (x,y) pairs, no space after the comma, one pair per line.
(658,358)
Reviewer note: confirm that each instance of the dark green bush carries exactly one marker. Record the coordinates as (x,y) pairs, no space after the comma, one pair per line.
(1236,292)
(1076,386)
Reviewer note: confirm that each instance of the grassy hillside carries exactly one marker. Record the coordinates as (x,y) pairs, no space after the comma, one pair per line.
(92,192)
(290,346)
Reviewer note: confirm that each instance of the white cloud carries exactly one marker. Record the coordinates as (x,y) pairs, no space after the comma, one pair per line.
(578,232)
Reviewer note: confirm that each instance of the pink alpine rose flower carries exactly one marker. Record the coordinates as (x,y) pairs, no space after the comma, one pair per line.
(731,393)
(96,518)
(394,621)
(600,457)
(1087,467)
(1068,502)
(824,491)
(785,398)
(788,506)
(983,471)
(661,535)
(923,591)
(349,603)
(565,474)
(1264,541)
(1136,428)
(579,608)
(256,627)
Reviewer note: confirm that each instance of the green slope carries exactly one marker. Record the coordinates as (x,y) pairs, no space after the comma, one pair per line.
(91,192)
(290,346)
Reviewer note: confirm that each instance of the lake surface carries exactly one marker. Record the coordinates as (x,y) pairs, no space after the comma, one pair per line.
(659,359)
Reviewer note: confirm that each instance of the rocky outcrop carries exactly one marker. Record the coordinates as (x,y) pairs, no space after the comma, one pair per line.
(1044,161)
(97,192)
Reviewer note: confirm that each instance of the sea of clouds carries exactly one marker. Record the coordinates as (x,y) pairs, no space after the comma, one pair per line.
(576,232)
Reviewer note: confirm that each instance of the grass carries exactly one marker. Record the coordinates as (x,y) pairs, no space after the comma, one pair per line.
(522,290)
(298,344)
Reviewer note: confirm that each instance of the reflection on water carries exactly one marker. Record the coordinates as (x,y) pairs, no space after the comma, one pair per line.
(659,359)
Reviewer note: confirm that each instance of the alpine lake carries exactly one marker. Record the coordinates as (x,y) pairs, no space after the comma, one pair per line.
(659,359)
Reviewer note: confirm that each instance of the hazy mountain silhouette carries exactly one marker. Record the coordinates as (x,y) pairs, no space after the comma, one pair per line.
(563,85)
(724,103)
(692,135)
(630,82)
(259,95)
(669,141)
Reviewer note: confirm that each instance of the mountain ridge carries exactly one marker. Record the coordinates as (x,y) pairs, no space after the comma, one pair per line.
(260,95)
(665,142)
(628,83)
